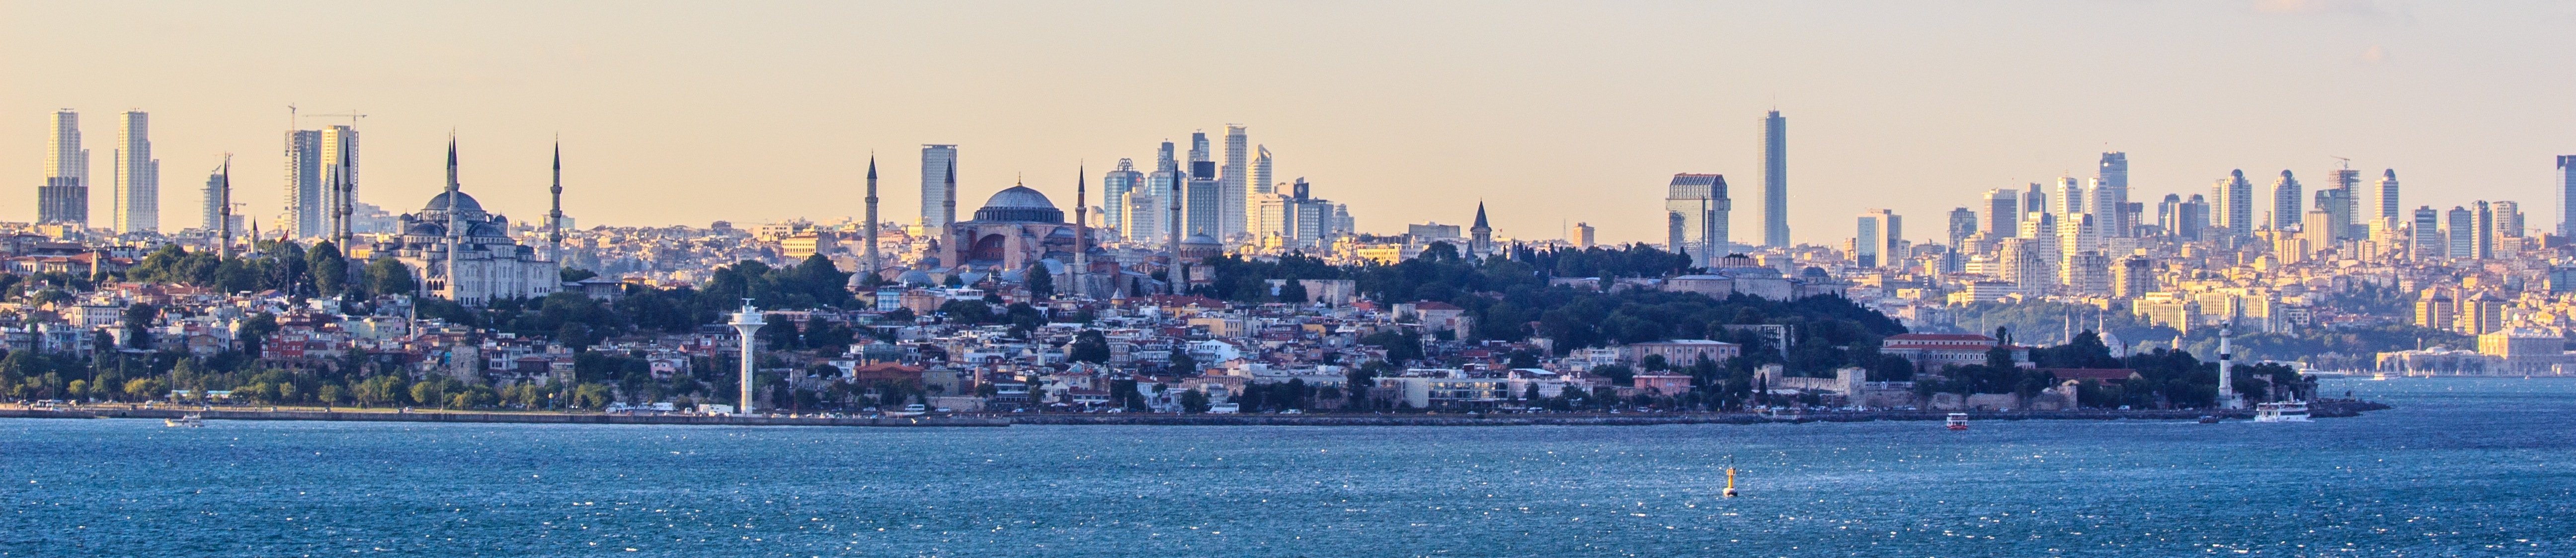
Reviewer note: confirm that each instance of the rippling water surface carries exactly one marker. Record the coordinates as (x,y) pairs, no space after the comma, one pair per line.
(2461,467)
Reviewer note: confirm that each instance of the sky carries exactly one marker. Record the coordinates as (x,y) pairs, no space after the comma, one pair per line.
(1550,113)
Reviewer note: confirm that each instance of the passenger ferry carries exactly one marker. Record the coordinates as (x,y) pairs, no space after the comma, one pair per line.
(1958,421)
(187,421)
(912,410)
(2285,411)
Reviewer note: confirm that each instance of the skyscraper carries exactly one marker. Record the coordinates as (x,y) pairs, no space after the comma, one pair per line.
(2003,213)
(2070,199)
(65,196)
(2191,220)
(2383,198)
(1695,215)
(2285,202)
(1261,176)
(2462,231)
(2034,201)
(138,175)
(2111,195)
(1231,185)
(1878,239)
(2429,240)
(1583,235)
(2485,247)
(303,195)
(2337,204)
(339,181)
(2232,204)
(1114,189)
(1775,181)
(1204,201)
(1963,224)
(213,209)
(2508,220)
(938,185)
(2566,195)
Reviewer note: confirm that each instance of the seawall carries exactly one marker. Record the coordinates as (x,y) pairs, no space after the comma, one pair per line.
(529,418)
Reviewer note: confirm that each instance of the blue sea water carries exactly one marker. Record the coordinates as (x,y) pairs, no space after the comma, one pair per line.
(2461,468)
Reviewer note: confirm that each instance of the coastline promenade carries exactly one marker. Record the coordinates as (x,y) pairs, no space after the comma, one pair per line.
(2321,409)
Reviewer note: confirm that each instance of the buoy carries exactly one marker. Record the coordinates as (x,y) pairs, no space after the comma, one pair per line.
(1730,482)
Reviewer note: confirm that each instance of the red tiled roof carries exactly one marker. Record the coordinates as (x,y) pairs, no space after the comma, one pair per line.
(1939,337)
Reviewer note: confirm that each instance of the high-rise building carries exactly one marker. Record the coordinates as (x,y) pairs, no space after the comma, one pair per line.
(138,175)
(2134,277)
(1775,181)
(1306,221)
(2508,220)
(2232,204)
(2168,214)
(2111,195)
(1963,223)
(2567,196)
(2337,203)
(1199,151)
(2462,231)
(1695,215)
(2485,248)
(339,181)
(303,195)
(2088,273)
(65,196)
(2003,213)
(1204,201)
(1583,235)
(2429,240)
(1880,235)
(2191,220)
(1233,185)
(213,210)
(938,186)
(1145,219)
(2286,199)
(2383,198)
(2031,269)
(1114,189)
(2034,201)
(2070,199)
(1261,176)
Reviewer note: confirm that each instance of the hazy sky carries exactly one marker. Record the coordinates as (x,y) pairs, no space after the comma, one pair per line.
(1550,112)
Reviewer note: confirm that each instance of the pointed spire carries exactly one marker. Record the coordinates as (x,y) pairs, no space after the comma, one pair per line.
(1480,214)
(872,165)
(451,162)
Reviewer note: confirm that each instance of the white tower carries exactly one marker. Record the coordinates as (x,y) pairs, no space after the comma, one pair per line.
(2226,388)
(747,322)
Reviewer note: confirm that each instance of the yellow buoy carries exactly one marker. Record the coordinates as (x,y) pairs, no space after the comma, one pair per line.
(1730,482)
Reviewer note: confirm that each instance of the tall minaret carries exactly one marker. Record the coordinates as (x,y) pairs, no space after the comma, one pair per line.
(872,263)
(948,203)
(455,220)
(554,219)
(1081,231)
(224,247)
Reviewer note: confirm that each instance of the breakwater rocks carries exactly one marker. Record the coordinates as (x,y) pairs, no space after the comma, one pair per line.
(531,418)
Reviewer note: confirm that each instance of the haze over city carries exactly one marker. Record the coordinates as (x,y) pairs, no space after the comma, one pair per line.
(1409,112)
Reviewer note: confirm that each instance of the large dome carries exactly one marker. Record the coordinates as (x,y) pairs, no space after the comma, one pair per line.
(1019,197)
(1019,204)
(440,202)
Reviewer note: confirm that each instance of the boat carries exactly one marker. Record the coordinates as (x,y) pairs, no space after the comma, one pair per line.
(187,421)
(2284,411)
(2209,419)
(912,410)
(1958,421)
(2379,377)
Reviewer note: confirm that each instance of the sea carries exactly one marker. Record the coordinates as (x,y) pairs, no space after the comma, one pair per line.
(2461,467)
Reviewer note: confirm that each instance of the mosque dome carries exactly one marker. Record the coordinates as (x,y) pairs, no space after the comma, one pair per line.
(1019,204)
(441,203)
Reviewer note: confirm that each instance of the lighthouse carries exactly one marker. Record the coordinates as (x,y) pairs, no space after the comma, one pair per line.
(747,322)
(2226,386)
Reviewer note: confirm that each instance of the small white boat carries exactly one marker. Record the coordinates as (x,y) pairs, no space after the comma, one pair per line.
(2285,411)
(1958,421)
(908,411)
(188,421)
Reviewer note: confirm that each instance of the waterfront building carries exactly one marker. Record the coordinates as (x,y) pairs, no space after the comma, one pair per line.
(459,252)
(1695,217)
(2285,202)
(303,185)
(938,186)
(1114,189)
(138,175)
(2003,212)
(1775,180)
(65,196)
(1880,234)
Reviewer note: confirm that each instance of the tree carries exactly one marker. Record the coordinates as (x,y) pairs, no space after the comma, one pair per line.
(1292,292)
(1194,402)
(330,270)
(1090,346)
(1041,283)
(388,276)
(968,311)
(138,325)
(574,274)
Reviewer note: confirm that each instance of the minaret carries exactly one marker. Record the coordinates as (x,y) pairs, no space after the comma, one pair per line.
(949,202)
(455,221)
(872,264)
(1081,231)
(224,247)
(554,219)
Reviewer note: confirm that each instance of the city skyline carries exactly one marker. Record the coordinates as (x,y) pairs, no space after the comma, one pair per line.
(2484,142)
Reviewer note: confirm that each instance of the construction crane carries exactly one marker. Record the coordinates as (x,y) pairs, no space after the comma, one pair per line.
(2347,162)
(351,114)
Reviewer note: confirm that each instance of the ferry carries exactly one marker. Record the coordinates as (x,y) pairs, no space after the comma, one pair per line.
(2285,411)
(188,421)
(1958,421)
(912,410)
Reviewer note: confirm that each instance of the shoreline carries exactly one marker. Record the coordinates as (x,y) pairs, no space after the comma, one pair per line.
(2320,409)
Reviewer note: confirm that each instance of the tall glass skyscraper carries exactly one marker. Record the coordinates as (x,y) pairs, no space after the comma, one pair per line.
(2383,199)
(1114,188)
(1879,236)
(2566,195)
(1775,180)
(2003,213)
(138,175)
(65,196)
(2232,199)
(1695,215)
(2111,196)
(303,195)
(2286,202)
(938,185)
(1232,188)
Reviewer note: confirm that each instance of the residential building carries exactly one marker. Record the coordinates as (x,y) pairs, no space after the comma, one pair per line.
(138,175)
(65,196)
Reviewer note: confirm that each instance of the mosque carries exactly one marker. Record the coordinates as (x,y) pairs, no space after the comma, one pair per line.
(460,252)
